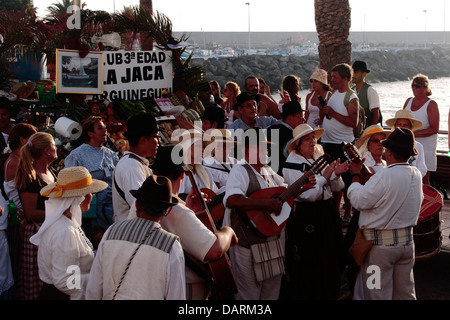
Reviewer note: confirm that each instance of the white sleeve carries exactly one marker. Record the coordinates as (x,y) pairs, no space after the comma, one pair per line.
(176,286)
(374,99)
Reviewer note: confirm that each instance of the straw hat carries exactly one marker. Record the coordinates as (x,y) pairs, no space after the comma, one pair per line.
(23,89)
(404,114)
(320,75)
(302,130)
(370,131)
(73,182)
(222,135)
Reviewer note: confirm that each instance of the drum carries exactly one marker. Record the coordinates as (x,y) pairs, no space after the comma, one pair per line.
(427,232)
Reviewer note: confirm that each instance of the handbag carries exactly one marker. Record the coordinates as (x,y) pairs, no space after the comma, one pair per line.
(268,259)
(360,247)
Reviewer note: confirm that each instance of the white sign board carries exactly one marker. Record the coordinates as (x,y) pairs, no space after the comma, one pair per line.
(136,75)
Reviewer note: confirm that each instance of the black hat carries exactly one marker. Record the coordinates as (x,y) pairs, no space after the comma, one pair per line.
(214,113)
(155,190)
(165,159)
(141,124)
(245,96)
(291,107)
(360,65)
(401,141)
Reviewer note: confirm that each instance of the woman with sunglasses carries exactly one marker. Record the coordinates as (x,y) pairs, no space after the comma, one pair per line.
(425,110)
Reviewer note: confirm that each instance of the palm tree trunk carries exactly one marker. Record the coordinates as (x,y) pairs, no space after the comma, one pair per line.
(146,41)
(333,20)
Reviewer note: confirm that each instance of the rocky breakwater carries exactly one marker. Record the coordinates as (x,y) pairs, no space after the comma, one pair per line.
(385,66)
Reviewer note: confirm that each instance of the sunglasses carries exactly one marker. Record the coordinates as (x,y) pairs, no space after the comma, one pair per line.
(417,86)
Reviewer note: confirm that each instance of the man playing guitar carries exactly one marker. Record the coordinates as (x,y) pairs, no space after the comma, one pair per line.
(245,178)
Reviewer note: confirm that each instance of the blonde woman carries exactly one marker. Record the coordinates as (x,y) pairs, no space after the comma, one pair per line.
(230,92)
(33,173)
(425,110)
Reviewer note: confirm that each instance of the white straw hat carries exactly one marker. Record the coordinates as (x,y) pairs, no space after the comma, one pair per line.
(404,114)
(302,130)
(73,182)
(320,75)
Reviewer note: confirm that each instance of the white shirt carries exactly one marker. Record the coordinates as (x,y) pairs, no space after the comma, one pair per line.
(64,253)
(396,189)
(335,131)
(195,238)
(152,275)
(217,170)
(322,191)
(129,174)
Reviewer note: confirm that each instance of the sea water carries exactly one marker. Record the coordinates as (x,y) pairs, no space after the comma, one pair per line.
(394,94)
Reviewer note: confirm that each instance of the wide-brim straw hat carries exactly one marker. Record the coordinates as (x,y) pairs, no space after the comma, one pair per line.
(320,75)
(302,130)
(370,131)
(404,114)
(73,182)
(23,89)
(221,136)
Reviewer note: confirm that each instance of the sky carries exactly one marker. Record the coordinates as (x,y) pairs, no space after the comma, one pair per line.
(284,15)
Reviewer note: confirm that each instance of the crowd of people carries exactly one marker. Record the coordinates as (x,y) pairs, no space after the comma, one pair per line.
(271,187)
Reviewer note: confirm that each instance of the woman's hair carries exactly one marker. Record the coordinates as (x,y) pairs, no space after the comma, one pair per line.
(291,84)
(29,152)
(20,130)
(423,80)
(88,126)
(234,87)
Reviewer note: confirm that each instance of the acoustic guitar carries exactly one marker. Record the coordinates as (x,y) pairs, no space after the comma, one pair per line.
(215,206)
(225,284)
(353,155)
(267,223)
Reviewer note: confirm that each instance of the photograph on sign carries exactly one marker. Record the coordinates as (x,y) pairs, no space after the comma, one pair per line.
(79,75)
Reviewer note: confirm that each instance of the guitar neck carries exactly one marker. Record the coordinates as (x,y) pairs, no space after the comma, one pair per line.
(199,195)
(292,189)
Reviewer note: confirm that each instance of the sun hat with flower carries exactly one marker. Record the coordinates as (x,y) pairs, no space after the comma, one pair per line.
(370,131)
(73,182)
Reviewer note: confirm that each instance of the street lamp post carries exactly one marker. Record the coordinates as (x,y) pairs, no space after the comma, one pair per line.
(249,37)
(426,38)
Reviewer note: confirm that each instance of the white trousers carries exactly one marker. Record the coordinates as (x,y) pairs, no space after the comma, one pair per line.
(387,274)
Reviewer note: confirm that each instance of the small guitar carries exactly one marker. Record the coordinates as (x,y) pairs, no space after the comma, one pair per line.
(269,224)
(220,268)
(353,155)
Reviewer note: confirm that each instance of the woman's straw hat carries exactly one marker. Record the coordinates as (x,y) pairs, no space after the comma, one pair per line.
(320,75)
(73,182)
(404,114)
(302,130)
(370,131)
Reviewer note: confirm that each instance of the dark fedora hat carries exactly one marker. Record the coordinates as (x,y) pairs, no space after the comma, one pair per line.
(156,190)
(360,65)
(401,141)
(164,161)
(245,96)
(291,107)
(140,125)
